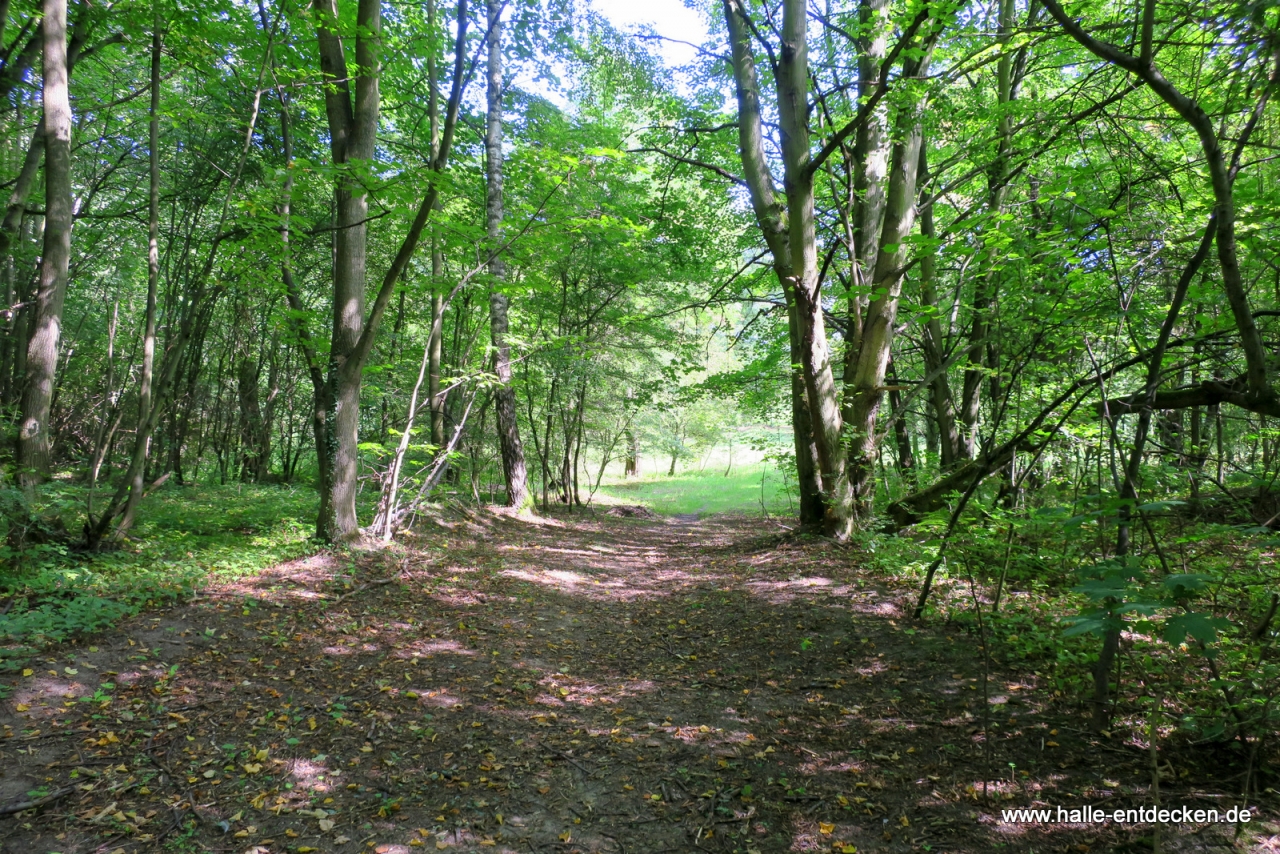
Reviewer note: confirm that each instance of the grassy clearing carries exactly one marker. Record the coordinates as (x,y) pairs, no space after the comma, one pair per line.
(707,492)
(51,592)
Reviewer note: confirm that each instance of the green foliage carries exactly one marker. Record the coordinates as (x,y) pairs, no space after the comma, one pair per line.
(706,492)
(186,536)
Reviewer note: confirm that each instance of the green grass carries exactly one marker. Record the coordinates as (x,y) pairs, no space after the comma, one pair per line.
(707,492)
(184,536)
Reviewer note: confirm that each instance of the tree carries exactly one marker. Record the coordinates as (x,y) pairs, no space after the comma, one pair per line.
(513,467)
(34,440)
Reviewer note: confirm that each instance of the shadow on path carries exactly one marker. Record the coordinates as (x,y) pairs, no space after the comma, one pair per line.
(611,685)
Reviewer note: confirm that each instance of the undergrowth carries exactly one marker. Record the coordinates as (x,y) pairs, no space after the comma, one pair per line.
(50,591)
(1194,610)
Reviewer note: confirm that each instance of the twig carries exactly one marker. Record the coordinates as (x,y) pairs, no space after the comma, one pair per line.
(567,758)
(21,806)
(364,587)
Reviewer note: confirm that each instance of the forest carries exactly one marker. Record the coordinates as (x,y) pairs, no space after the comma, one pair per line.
(503,426)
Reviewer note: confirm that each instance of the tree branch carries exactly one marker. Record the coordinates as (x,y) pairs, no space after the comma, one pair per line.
(723,173)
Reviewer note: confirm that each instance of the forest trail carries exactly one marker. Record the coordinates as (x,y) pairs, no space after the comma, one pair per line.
(590,685)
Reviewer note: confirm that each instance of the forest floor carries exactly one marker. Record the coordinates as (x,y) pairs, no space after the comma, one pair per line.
(591,684)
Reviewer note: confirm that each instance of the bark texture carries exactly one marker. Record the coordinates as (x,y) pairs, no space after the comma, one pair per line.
(353,124)
(771,217)
(34,440)
(514,471)
(866,391)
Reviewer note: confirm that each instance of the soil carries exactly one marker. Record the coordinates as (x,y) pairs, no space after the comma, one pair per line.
(594,684)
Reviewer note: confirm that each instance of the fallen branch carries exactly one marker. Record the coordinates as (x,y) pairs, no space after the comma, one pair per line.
(23,806)
(364,587)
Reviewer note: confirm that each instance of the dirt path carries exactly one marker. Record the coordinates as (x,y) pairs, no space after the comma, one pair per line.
(632,686)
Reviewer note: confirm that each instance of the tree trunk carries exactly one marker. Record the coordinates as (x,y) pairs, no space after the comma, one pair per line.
(792,80)
(137,463)
(631,468)
(901,434)
(255,432)
(21,190)
(984,351)
(352,128)
(808,480)
(513,465)
(951,448)
(876,347)
(435,400)
(34,440)
(869,164)
(388,506)
(771,216)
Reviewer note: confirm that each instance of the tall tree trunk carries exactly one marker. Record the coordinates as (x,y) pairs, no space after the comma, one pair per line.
(192,314)
(808,479)
(771,217)
(435,343)
(983,352)
(255,433)
(141,447)
(513,465)
(877,336)
(34,451)
(869,164)
(950,447)
(352,128)
(792,80)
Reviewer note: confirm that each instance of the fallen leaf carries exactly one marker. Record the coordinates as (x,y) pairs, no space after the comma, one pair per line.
(326,825)
(826,828)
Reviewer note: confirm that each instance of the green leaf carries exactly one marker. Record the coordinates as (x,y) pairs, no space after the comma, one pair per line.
(1202,627)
